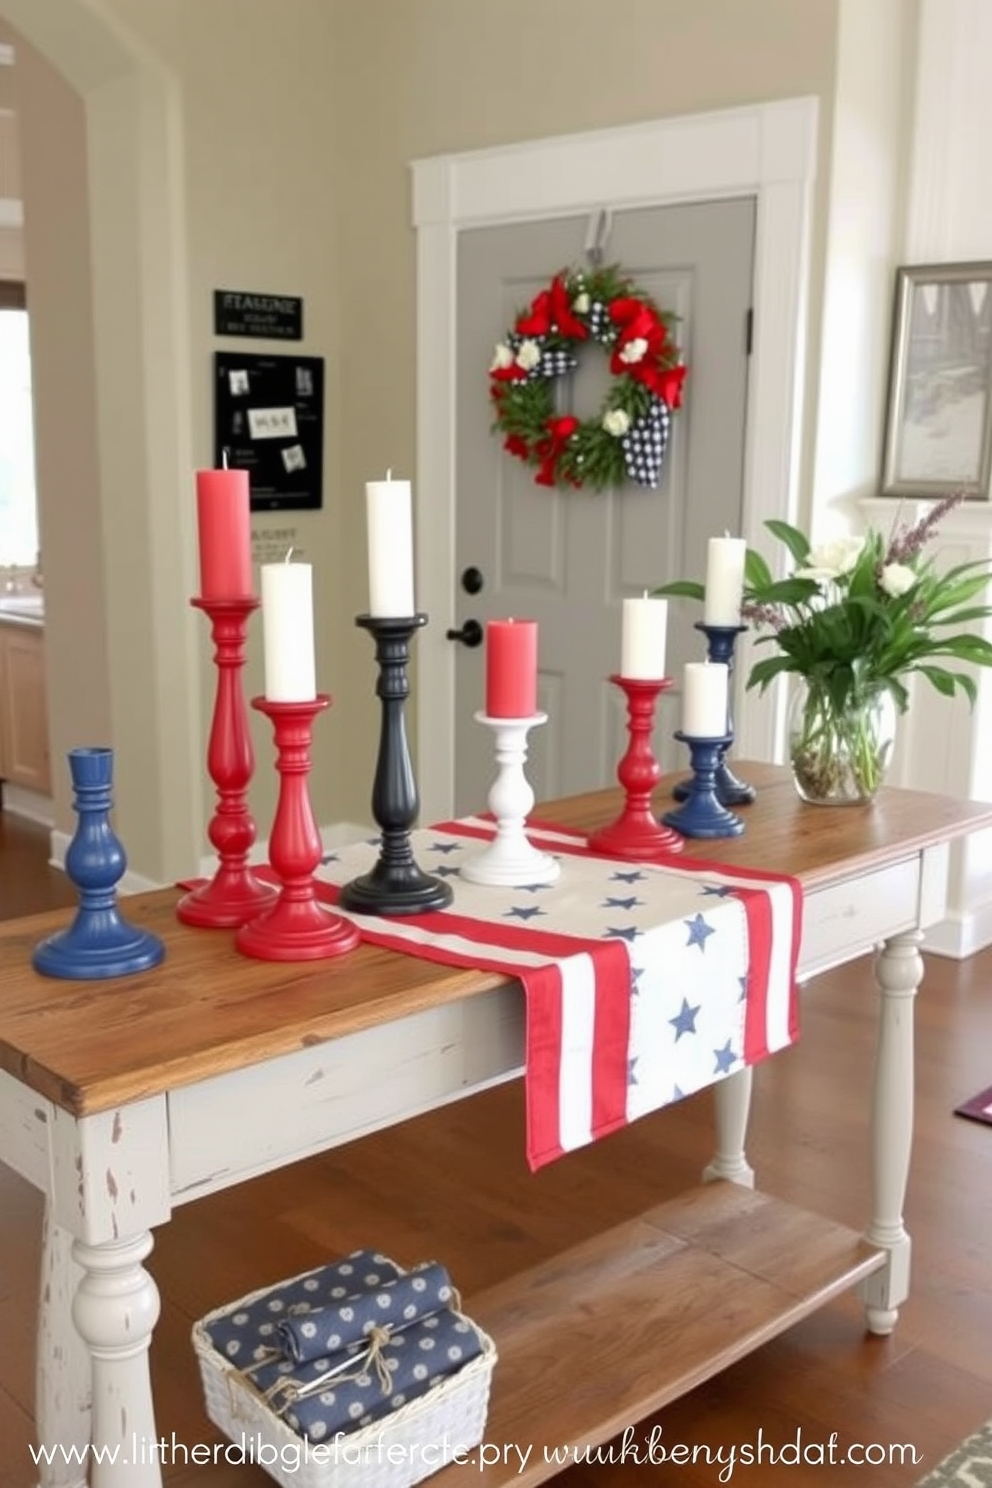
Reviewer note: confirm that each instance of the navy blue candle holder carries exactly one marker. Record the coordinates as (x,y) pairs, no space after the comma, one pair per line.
(730,791)
(702,813)
(99,942)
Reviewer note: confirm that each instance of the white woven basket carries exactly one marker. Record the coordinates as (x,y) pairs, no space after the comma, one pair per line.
(423,1435)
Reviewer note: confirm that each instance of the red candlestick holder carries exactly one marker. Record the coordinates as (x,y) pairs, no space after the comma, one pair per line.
(297,927)
(234,894)
(637,833)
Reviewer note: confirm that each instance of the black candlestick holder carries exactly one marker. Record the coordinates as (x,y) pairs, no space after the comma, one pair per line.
(703,814)
(396,885)
(730,791)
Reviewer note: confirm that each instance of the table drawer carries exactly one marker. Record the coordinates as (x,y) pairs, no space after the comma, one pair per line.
(845,920)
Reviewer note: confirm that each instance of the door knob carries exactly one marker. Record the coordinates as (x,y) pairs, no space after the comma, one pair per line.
(470,634)
(472,580)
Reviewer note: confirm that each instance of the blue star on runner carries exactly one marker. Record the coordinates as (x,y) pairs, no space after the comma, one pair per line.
(699,931)
(523,912)
(725,1059)
(720,890)
(743,982)
(446,870)
(330,858)
(634,876)
(627,904)
(631,1075)
(531,888)
(445,847)
(685,1019)
(621,932)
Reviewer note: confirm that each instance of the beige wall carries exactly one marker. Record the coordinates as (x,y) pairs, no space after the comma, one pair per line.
(286,148)
(440,76)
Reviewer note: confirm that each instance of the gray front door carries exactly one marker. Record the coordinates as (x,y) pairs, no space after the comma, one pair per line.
(568,558)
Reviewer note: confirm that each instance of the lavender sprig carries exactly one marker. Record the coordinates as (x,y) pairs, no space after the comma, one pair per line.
(909,541)
(763,614)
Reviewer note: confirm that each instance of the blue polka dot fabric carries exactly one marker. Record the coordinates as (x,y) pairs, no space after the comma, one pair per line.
(394,1304)
(344,1346)
(245,1330)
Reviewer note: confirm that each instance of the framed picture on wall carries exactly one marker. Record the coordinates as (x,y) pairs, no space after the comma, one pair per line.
(938,432)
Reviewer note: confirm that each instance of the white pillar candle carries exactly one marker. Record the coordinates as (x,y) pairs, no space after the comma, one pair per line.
(724,580)
(642,643)
(287,632)
(389,512)
(705,700)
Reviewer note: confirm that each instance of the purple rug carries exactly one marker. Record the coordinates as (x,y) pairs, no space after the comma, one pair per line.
(979,1108)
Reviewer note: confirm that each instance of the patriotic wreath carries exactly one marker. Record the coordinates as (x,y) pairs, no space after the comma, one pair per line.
(627,438)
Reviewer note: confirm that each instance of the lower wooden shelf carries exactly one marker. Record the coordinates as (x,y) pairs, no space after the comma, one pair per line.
(603,1335)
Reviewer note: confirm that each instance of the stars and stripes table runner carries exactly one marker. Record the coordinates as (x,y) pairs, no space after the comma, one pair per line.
(644,982)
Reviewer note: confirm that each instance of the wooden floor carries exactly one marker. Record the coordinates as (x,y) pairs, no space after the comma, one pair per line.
(421,1191)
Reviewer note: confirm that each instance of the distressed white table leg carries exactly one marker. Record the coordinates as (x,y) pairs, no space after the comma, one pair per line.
(733,1106)
(898,971)
(115,1309)
(63,1386)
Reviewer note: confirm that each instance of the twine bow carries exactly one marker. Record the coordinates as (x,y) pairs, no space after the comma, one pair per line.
(287,1391)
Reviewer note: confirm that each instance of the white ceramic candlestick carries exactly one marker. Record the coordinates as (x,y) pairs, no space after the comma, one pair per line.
(510,859)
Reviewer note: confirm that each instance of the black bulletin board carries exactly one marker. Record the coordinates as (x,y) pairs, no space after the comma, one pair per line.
(269,420)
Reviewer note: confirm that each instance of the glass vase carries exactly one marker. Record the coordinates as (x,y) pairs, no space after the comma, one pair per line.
(839,755)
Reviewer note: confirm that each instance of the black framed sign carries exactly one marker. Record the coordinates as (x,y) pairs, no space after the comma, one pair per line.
(264,316)
(269,420)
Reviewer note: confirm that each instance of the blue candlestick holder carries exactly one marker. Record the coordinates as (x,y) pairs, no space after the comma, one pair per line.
(99,942)
(702,813)
(730,791)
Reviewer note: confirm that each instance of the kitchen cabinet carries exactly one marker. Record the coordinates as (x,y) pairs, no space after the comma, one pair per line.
(24,755)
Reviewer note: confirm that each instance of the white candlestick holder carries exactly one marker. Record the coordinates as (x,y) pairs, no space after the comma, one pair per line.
(510,859)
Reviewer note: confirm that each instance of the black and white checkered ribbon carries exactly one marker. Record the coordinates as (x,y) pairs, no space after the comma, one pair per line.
(555,361)
(644,445)
(600,324)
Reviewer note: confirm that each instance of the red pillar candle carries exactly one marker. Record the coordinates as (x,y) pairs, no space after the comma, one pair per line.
(223,521)
(511,668)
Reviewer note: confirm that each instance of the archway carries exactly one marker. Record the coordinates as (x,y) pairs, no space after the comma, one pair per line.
(140,370)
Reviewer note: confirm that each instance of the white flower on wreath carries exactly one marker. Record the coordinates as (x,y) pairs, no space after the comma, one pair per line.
(832,560)
(502,356)
(896,579)
(633,351)
(528,355)
(616,422)
(581,303)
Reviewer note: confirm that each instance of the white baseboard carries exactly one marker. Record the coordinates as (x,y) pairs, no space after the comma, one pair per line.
(961,934)
(29,804)
(131,883)
(340,834)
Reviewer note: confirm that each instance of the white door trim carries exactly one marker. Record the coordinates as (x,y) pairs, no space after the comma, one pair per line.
(767,151)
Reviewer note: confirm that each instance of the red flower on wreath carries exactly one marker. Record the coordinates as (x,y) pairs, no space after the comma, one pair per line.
(552,311)
(549,449)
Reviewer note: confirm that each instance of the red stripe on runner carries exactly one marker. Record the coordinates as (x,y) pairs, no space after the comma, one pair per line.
(542,1085)
(509,936)
(611,1040)
(757,907)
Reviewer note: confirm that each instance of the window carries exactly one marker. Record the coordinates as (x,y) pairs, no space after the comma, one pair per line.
(18,504)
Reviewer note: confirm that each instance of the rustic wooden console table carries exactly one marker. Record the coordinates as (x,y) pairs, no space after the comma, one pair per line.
(120,1100)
